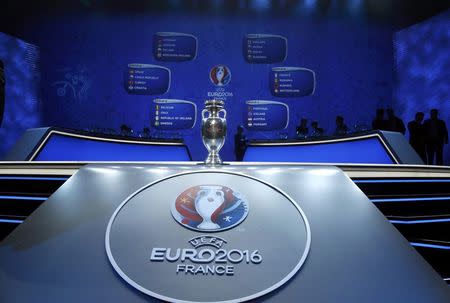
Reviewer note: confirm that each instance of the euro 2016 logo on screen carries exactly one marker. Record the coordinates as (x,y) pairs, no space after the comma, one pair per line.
(210,208)
(220,75)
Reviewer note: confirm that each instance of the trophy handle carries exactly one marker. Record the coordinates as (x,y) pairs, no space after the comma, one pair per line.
(203,113)
(224,113)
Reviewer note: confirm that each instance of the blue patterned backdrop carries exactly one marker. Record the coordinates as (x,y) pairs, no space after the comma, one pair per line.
(84,57)
(22,96)
(422,58)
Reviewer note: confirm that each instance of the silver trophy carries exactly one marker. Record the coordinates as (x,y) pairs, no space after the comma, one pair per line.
(214,130)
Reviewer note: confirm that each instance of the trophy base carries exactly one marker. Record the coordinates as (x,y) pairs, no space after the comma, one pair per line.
(208,225)
(213,159)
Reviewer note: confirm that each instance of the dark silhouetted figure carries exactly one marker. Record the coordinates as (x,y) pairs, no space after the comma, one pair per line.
(394,123)
(146,132)
(341,128)
(2,91)
(125,130)
(379,122)
(436,135)
(302,130)
(240,143)
(316,130)
(417,135)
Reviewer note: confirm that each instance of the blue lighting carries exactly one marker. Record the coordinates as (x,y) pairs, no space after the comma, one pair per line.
(355,6)
(411,199)
(403,181)
(23,89)
(99,102)
(260,4)
(33,178)
(369,150)
(309,5)
(420,221)
(421,69)
(22,198)
(67,148)
(10,221)
(429,245)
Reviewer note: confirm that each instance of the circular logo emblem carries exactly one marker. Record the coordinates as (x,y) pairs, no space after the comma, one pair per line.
(199,257)
(210,208)
(220,75)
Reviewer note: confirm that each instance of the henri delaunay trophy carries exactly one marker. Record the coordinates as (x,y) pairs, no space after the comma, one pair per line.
(214,129)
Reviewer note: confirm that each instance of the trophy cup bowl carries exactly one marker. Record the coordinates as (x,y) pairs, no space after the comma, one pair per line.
(214,129)
(208,200)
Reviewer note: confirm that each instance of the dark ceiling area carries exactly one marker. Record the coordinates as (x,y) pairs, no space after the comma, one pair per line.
(398,13)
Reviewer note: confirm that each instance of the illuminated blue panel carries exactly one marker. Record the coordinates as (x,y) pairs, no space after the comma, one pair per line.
(419,199)
(403,181)
(369,150)
(429,245)
(425,221)
(33,178)
(11,221)
(67,148)
(23,198)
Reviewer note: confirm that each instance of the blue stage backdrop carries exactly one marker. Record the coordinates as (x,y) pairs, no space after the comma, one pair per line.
(422,55)
(22,89)
(101,71)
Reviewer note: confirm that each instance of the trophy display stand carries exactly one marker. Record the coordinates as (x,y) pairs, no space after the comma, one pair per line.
(184,233)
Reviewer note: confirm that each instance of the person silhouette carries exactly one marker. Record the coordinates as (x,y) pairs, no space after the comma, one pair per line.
(436,135)
(316,130)
(146,132)
(240,143)
(302,129)
(341,128)
(125,130)
(379,123)
(417,135)
(394,123)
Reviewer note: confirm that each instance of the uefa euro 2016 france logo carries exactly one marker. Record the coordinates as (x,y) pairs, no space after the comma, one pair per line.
(210,208)
(220,75)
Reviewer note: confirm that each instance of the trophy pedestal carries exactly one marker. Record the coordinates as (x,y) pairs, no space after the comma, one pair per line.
(213,159)
(365,257)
